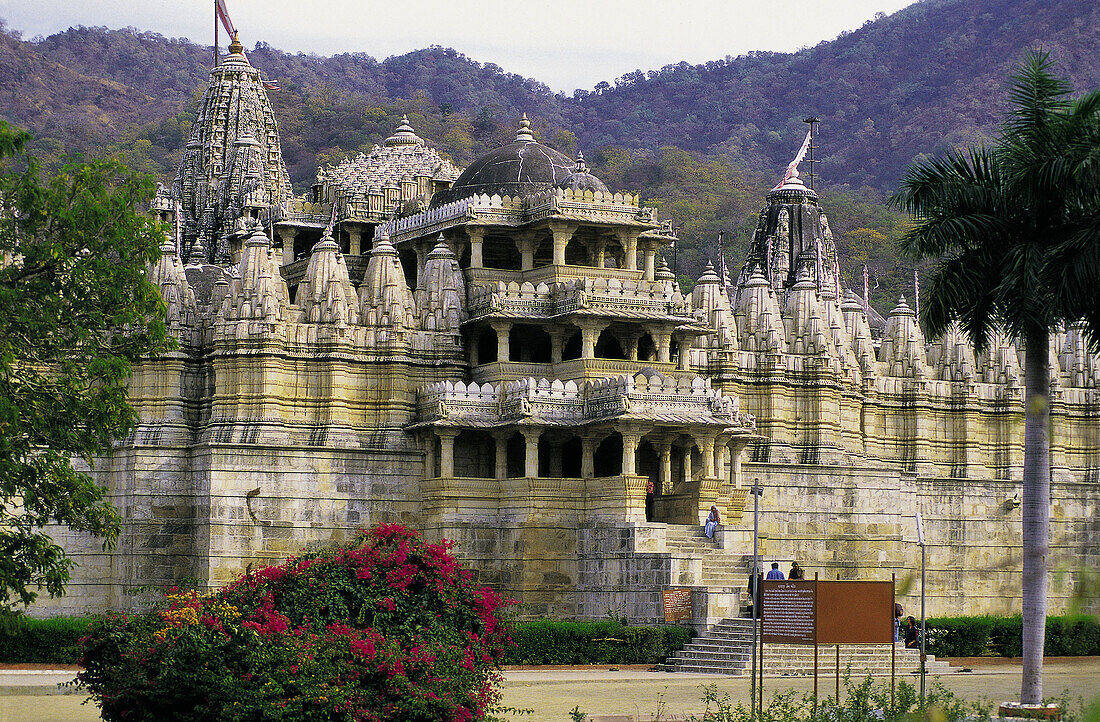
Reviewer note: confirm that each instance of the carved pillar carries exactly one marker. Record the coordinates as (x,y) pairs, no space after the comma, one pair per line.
(288,235)
(501,446)
(477,238)
(503,329)
(355,240)
(684,362)
(632,346)
(429,455)
(446,452)
(557,340)
(630,452)
(475,359)
(562,234)
(629,240)
(664,343)
(526,245)
(588,457)
(706,449)
(650,253)
(665,449)
(600,254)
(531,457)
(590,333)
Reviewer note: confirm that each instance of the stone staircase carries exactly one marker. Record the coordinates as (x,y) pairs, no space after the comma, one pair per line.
(726,648)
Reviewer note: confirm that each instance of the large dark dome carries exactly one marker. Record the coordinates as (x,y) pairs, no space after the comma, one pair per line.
(520,168)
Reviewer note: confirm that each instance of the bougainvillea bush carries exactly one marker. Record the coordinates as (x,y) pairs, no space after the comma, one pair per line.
(386,627)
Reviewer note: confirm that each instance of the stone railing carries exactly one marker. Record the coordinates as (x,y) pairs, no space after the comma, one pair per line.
(591,294)
(568,403)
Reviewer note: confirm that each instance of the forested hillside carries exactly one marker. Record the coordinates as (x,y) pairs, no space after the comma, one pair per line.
(703,143)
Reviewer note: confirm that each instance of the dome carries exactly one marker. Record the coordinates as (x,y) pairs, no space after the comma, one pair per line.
(581,180)
(520,168)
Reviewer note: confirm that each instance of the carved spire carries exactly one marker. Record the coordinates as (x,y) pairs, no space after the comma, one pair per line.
(441,293)
(759,317)
(168,275)
(903,343)
(260,293)
(384,298)
(404,135)
(524,133)
(326,295)
(709,300)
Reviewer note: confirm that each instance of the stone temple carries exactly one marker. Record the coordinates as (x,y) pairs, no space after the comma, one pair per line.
(500,356)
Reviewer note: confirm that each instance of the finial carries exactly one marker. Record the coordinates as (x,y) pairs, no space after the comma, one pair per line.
(403,135)
(524,133)
(235,46)
(581,167)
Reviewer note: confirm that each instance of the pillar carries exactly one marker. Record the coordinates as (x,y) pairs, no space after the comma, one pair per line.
(477,238)
(665,450)
(685,353)
(601,253)
(630,245)
(706,449)
(475,359)
(288,235)
(588,457)
(664,343)
(503,329)
(355,240)
(447,452)
(501,466)
(650,254)
(590,333)
(526,245)
(562,234)
(429,455)
(557,341)
(630,452)
(531,456)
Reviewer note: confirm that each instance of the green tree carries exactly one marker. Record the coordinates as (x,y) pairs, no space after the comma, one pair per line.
(998,219)
(76,311)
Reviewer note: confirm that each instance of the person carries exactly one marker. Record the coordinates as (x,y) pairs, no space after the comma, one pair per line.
(898,611)
(797,572)
(775,573)
(713,520)
(912,633)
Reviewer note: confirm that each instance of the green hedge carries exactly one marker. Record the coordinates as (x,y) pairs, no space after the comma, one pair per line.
(547,642)
(54,641)
(1002,636)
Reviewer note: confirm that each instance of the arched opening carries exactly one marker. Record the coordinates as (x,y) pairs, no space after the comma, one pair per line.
(500,253)
(571,451)
(517,456)
(608,346)
(576,253)
(647,349)
(409,266)
(529,343)
(486,345)
(475,455)
(608,459)
(572,347)
(613,255)
(544,252)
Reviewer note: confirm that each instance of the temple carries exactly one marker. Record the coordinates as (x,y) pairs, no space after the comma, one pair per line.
(500,356)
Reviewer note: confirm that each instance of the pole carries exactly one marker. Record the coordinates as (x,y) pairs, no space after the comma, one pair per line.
(815,647)
(922,627)
(838,675)
(754,588)
(893,645)
(215,33)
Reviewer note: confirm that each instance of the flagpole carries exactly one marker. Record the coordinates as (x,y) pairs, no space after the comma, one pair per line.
(215,33)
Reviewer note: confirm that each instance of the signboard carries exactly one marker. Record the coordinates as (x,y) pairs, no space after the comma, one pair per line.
(677,605)
(827,612)
(788,611)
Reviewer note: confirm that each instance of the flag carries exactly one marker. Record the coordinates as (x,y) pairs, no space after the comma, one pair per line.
(179,228)
(223,15)
(271,85)
(797,159)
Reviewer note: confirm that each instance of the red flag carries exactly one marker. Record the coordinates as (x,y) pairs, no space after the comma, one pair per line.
(223,15)
(272,85)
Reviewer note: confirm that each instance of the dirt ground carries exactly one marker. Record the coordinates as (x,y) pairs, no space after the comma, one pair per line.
(621,694)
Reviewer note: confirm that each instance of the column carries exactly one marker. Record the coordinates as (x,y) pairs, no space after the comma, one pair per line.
(629,240)
(429,455)
(664,342)
(526,245)
(355,240)
(600,253)
(503,329)
(477,237)
(557,341)
(288,235)
(706,449)
(501,466)
(531,458)
(447,452)
(475,360)
(562,234)
(590,333)
(650,254)
(685,353)
(665,449)
(588,457)
(630,452)
(632,346)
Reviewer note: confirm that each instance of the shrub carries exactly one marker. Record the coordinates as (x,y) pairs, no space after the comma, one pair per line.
(607,642)
(974,636)
(959,636)
(55,641)
(384,628)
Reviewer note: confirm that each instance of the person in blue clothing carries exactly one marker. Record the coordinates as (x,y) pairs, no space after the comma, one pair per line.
(775,572)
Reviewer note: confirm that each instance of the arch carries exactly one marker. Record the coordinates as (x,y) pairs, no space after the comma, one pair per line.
(608,346)
(501,253)
(529,343)
(516,456)
(576,253)
(544,252)
(608,457)
(571,349)
(647,348)
(486,340)
(410,266)
(571,451)
(649,465)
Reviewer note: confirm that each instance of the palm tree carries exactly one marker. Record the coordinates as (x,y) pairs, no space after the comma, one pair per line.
(1004,222)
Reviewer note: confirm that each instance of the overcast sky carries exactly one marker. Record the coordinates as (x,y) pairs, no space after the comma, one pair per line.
(566,44)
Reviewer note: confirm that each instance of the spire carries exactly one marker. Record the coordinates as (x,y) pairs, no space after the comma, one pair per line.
(403,135)
(581,166)
(524,134)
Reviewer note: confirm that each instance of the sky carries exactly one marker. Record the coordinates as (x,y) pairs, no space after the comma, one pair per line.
(566,44)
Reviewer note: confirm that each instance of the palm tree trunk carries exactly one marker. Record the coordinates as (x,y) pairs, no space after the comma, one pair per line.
(1036,512)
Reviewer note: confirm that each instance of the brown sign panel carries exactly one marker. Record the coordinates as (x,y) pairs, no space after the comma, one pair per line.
(677,605)
(787,611)
(855,612)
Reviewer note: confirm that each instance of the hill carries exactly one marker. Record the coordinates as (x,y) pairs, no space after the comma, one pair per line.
(702,142)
